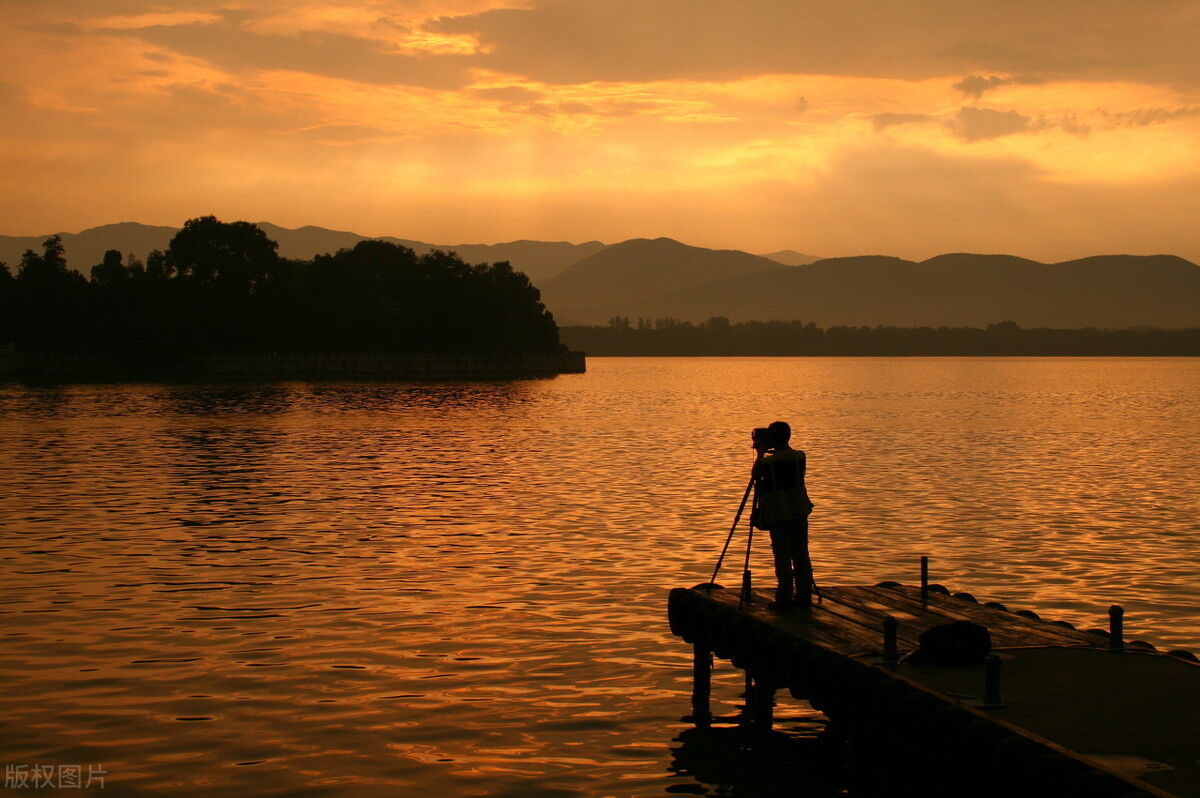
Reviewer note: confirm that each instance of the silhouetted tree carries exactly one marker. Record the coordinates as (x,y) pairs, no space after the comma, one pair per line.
(110,271)
(51,299)
(222,287)
(236,257)
(8,303)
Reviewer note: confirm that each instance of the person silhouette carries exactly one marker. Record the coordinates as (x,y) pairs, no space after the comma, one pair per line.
(782,507)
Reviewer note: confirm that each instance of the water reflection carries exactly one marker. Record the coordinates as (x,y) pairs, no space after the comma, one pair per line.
(804,763)
(227,400)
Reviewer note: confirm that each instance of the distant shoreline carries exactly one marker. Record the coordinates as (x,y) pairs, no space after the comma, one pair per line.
(274,366)
(981,357)
(719,337)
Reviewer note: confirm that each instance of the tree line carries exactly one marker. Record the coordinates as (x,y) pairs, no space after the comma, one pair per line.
(223,288)
(719,336)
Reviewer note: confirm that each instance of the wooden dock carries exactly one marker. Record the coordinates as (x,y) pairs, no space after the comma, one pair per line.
(1066,712)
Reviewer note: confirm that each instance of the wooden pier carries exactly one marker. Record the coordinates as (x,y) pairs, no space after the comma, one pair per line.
(1054,711)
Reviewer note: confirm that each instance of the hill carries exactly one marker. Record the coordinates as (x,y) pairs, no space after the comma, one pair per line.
(1114,291)
(538,259)
(790,257)
(624,274)
(87,248)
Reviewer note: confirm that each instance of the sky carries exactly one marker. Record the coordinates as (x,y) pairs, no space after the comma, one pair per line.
(1050,130)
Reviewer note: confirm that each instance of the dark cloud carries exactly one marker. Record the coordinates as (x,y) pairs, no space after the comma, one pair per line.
(976,85)
(224,106)
(638,40)
(886,120)
(977,124)
(329,54)
(1142,117)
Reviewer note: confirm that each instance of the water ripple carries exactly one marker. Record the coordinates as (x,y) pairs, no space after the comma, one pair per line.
(459,588)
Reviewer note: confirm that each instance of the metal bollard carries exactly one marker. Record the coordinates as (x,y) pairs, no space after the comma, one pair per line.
(924,580)
(991,682)
(890,625)
(1116,628)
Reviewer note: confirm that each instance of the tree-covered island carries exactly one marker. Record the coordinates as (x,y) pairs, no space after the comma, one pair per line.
(221,290)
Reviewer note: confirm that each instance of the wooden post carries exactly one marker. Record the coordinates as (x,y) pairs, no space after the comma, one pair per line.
(701,685)
(746,586)
(890,625)
(924,581)
(1116,628)
(991,681)
(760,703)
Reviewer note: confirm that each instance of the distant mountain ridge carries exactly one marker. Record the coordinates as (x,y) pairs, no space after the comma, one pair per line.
(589,283)
(790,257)
(959,289)
(538,259)
(638,269)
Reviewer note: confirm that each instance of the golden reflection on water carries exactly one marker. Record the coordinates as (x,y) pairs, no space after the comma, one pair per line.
(460,588)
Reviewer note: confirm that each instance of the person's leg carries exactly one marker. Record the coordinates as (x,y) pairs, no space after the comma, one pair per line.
(801,563)
(781,548)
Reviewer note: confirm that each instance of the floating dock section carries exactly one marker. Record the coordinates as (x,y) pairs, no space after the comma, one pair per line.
(1053,711)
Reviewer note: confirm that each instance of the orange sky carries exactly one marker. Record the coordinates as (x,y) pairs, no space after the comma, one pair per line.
(835,127)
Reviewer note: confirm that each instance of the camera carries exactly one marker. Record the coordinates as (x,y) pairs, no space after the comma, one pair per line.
(761,438)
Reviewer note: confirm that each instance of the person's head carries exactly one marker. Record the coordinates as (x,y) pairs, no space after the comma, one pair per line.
(780,433)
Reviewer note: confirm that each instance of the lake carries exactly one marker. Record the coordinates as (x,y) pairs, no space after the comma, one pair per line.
(460,588)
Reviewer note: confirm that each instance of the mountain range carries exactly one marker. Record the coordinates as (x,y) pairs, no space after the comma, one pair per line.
(1114,291)
(538,259)
(589,283)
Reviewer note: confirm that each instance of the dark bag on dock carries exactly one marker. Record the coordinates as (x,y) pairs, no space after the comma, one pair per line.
(959,644)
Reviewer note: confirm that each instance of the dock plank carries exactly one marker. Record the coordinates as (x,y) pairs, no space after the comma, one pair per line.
(1006,628)
(819,627)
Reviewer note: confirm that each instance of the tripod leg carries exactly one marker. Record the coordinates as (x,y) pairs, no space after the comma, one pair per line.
(736,520)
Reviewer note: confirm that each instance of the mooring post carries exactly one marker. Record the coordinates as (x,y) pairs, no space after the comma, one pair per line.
(747,718)
(701,685)
(1116,628)
(745,597)
(890,625)
(760,703)
(924,581)
(991,682)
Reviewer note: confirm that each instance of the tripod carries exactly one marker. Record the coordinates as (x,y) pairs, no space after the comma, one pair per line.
(737,517)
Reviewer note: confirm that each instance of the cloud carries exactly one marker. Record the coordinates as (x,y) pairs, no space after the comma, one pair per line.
(592,119)
(1142,117)
(978,124)
(508,94)
(976,85)
(334,55)
(886,120)
(642,40)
